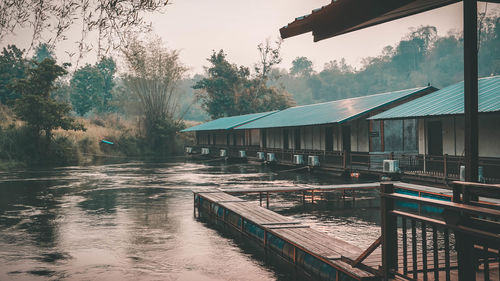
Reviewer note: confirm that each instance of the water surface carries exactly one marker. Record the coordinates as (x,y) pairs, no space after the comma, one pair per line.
(135,221)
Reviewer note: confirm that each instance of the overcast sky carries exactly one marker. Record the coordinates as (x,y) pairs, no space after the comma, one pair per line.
(196,27)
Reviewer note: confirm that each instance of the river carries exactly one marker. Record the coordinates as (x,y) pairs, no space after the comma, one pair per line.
(134,221)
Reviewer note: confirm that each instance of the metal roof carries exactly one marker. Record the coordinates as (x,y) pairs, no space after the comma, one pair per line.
(330,112)
(227,123)
(447,101)
(343,16)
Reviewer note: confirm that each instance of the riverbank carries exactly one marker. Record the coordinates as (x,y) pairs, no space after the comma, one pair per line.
(106,137)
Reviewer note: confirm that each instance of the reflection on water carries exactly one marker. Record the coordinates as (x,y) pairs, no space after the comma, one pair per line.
(135,221)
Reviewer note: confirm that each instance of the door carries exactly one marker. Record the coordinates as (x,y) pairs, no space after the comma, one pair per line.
(296,138)
(329,139)
(346,143)
(263,137)
(435,138)
(285,138)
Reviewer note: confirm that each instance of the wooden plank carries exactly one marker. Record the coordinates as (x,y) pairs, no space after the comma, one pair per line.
(286,226)
(446,205)
(303,188)
(277,223)
(219,196)
(316,243)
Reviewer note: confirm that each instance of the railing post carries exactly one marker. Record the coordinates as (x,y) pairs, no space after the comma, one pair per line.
(344,159)
(425,163)
(389,232)
(445,166)
(466,264)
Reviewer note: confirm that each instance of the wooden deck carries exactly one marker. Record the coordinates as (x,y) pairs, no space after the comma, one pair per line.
(322,255)
(302,242)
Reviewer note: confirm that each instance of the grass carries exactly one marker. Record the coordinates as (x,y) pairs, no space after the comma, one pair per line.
(17,148)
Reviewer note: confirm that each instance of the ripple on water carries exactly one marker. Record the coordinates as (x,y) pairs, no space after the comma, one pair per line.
(134,221)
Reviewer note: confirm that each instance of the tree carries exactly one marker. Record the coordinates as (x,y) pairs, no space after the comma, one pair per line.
(218,89)
(269,56)
(107,68)
(92,87)
(112,20)
(87,84)
(44,51)
(41,113)
(12,66)
(230,90)
(153,75)
(301,66)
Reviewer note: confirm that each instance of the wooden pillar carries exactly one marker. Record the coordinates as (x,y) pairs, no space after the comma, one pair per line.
(194,205)
(389,232)
(260,198)
(471,91)
(445,166)
(267,199)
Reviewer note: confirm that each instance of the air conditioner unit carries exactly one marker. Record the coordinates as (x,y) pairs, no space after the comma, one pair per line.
(298,159)
(313,160)
(223,153)
(205,151)
(189,149)
(261,156)
(243,154)
(271,157)
(391,166)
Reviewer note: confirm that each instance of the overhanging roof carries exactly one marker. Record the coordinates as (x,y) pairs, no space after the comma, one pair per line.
(343,16)
(227,123)
(447,101)
(331,112)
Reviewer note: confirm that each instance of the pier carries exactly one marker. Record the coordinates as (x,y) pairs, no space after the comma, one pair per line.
(423,236)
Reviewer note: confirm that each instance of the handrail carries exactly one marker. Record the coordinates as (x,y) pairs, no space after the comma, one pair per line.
(475,227)
(466,208)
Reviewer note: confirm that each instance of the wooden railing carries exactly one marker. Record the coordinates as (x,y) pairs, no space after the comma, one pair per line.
(445,167)
(465,234)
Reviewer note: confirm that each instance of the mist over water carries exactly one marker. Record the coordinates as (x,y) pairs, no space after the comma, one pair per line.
(135,221)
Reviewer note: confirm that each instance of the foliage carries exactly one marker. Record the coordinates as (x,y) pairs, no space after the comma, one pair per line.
(107,68)
(35,106)
(229,89)
(421,57)
(110,19)
(92,87)
(86,85)
(153,76)
(301,66)
(12,66)
(44,51)
(269,56)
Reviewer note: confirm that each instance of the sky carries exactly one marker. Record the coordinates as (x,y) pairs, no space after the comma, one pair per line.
(196,27)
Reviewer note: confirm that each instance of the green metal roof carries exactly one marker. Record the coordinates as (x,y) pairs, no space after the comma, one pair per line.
(448,101)
(330,112)
(227,123)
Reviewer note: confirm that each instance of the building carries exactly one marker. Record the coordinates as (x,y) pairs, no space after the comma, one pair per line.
(337,132)
(439,119)
(219,134)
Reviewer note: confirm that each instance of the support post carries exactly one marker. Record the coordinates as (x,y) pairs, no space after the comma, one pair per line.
(389,232)
(445,166)
(260,198)
(194,205)
(267,199)
(312,197)
(344,160)
(470,91)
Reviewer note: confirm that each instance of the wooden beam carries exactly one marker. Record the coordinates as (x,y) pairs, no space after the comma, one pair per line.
(367,252)
(471,91)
